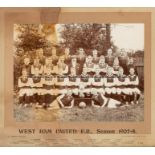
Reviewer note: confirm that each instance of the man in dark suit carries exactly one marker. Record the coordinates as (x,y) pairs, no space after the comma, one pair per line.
(74,64)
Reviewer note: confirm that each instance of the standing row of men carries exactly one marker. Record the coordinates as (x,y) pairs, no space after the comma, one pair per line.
(63,64)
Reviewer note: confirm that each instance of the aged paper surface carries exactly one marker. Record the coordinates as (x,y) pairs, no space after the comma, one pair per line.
(85,126)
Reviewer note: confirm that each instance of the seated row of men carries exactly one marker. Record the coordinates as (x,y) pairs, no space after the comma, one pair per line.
(67,91)
(63,64)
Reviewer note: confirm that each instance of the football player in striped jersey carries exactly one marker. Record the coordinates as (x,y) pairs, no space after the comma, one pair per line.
(85,80)
(37,88)
(122,83)
(110,82)
(49,66)
(133,86)
(102,66)
(116,66)
(61,83)
(26,65)
(61,67)
(89,65)
(49,89)
(36,64)
(98,81)
(73,81)
(25,91)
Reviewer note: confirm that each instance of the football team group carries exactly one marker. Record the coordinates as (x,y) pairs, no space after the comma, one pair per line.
(80,80)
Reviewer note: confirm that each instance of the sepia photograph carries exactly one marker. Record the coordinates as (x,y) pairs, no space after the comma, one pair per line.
(77,77)
(79,72)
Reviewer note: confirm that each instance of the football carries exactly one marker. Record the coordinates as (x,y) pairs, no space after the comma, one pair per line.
(82,104)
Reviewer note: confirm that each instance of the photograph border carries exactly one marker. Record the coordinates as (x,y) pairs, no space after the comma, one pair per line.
(32,15)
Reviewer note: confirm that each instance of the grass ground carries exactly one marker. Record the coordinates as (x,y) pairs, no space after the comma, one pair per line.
(129,113)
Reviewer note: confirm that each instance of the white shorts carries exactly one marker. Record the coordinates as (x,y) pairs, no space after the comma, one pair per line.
(127,91)
(119,90)
(84,84)
(49,91)
(123,90)
(75,91)
(25,91)
(60,91)
(136,90)
(39,91)
(86,90)
(110,90)
(99,90)
(131,91)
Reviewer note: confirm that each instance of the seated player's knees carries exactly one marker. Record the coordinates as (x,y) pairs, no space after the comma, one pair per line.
(119,91)
(34,91)
(30,93)
(27,92)
(88,90)
(108,90)
(136,90)
(38,92)
(63,91)
(55,90)
(113,90)
(126,91)
(129,91)
(42,93)
(93,89)
(97,90)
(75,91)
(55,93)
(101,90)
